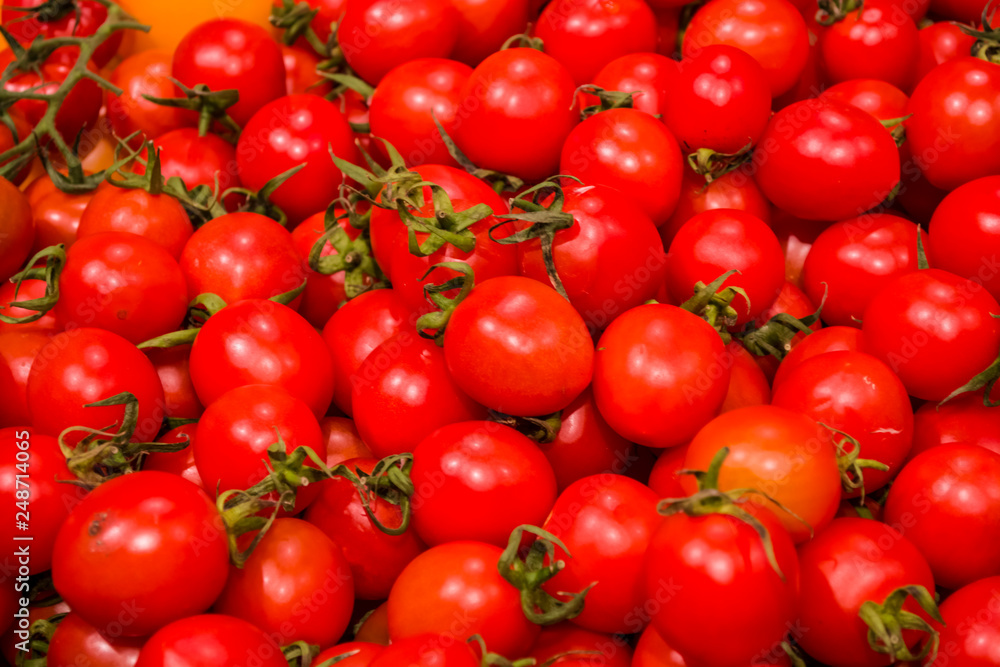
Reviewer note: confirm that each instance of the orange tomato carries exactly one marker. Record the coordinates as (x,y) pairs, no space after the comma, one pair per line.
(170,21)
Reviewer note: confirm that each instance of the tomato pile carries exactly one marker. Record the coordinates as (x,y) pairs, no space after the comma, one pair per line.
(468,333)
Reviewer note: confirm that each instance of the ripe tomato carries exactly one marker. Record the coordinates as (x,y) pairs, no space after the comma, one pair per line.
(408,100)
(179,463)
(721,100)
(17,231)
(18,350)
(141,551)
(173,366)
(972,628)
(158,217)
(208,641)
(76,642)
(323,294)
(196,160)
(748,385)
(853,561)
(484,26)
(227,53)
(378,35)
(630,151)
(649,76)
(79,19)
(28,290)
(290,131)
(772,31)
(652,651)
(585,35)
(563,638)
(241,256)
(86,365)
(523,98)
(783,453)
(934,329)
(853,259)
(796,141)
(952,145)
(427,650)
(664,479)
(940,42)
(963,419)
(145,73)
(533,358)
(455,589)
(56,215)
(879,98)
(736,190)
(301,77)
(295,586)
(877,42)
(647,392)
(830,339)
(362,654)
(342,441)
(489,469)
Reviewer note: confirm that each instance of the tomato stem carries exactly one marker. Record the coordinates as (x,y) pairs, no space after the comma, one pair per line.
(887,621)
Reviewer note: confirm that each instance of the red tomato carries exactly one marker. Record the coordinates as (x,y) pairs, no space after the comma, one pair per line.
(196,160)
(17,233)
(301,77)
(630,151)
(342,441)
(362,654)
(18,350)
(484,26)
(173,366)
(144,73)
(28,290)
(853,259)
(668,27)
(56,214)
(796,237)
(792,301)
(830,339)
(652,651)
(179,463)
(665,398)
(940,42)
(663,479)
(522,98)
(963,419)
(323,294)
(160,218)
(533,358)
(562,638)
(748,385)
(80,19)
(141,551)
(735,189)
(377,35)
(77,642)
(649,76)
(427,650)
(879,98)
(585,35)
(229,53)
(489,469)
(972,627)
(876,42)
(208,641)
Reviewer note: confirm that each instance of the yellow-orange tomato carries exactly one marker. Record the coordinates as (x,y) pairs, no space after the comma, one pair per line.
(172,20)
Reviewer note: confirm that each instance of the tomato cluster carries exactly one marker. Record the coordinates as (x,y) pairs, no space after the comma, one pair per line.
(455,333)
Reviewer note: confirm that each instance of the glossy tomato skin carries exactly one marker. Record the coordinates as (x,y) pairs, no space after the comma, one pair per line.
(342,440)
(262,342)
(878,42)
(308,127)
(852,259)
(649,75)
(855,393)
(230,53)
(409,98)
(562,638)
(879,98)
(722,100)
(526,98)
(766,444)
(630,151)
(748,384)
(585,35)
(953,144)
(864,175)
(934,329)
(964,419)
(829,339)
(852,561)
(197,160)
(652,651)
(296,585)
(535,358)
(179,463)
(106,569)
(173,366)
(484,26)
(85,366)
(209,640)
(460,580)
(378,35)
(144,73)
(947,502)
(664,478)
(241,256)
(665,398)
(17,227)
(403,392)
(362,654)
(82,20)
(159,218)
(606,522)
(18,351)
(736,190)
(487,469)
(79,110)
(940,42)
(77,642)
(427,650)
(56,215)
(972,628)
(693,561)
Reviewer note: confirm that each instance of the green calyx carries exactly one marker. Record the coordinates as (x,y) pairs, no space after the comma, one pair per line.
(987,46)
(208,104)
(712,165)
(834,11)
(984,380)
(499,181)
(851,466)
(54,258)
(887,621)
(713,303)
(337,658)
(354,256)
(606,99)
(39,637)
(775,336)
(542,429)
(437,321)
(494,659)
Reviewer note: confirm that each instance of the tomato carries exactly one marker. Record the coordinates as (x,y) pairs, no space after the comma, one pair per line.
(362,654)
(180,463)
(210,640)
(647,392)
(859,395)
(564,638)
(877,42)
(374,557)
(123,283)
(455,588)
(533,358)
(748,385)
(227,53)
(972,627)
(491,471)
(196,160)
(158,217)
(963,236)
(796,237)
(141,551)
(18,350)
(515,98)
(652,651)
(301,77)
(648,76)
(852,561)
(792,301)
(9,139)
(585,445)
(735,189)
(772,31)
(86,365)
(145,73)
(951,143)
(427,650)
(664,479)
(940,42)
(484,26)
(377,35)
(173,366)
(230,445)
(342,440)
(879,98)
(934,329)
(692,562)
(781,452)
(35,614)
(288,132)
(722,100)
(630,151)
(963,419)
(585,35)
(17,231)
(408,100)
(796,140)
(56,215)
(81,19)
(375,628)
(829,339)
(668,29)
(77,642)
(853,259)
(323,294)
(241,256)
(403,392)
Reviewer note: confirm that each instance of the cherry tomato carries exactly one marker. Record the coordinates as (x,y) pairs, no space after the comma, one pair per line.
(664,479)
(748,385)
(427,650)
(972,627)
(323,294)
(56,215)
(484,26)
(964,419)
(940,42)
(342,441)
(649,76)
(652,651)
(145,73)
(208,160)
(173,366)
(563,638)
(80,19)
(362,654)
(876,42)
(735,189)
(830,339)
(879,98)
(18,350)
(158,217)
(791,301)
(77,642)
(179,463)
(17,231)
(208,641)
(301,77)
